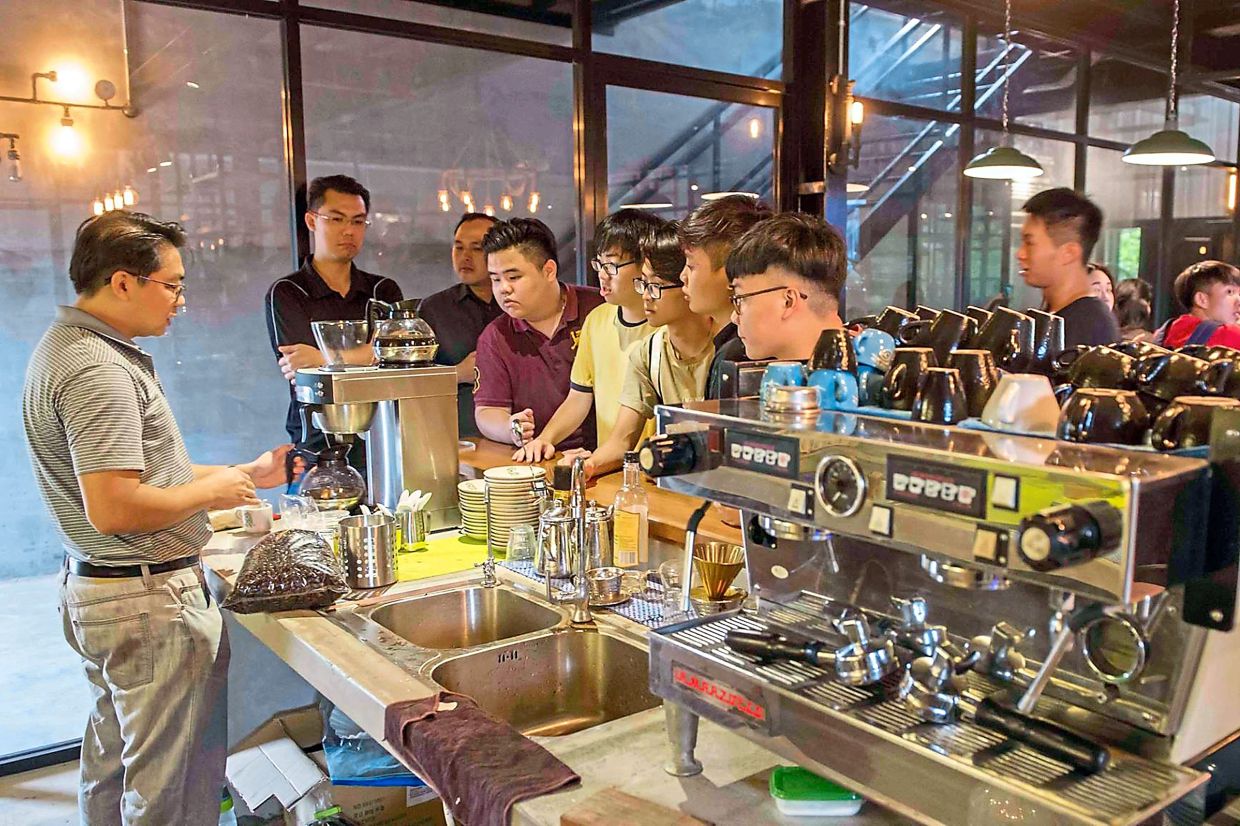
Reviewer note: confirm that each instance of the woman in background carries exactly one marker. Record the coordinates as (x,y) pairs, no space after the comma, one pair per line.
(1132,309)
(1102,283)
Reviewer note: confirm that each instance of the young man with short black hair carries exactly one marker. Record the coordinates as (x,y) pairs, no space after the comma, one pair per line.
(707,236)
(1209,293)
(525,357)
(328,287)
(606,335)
(786,276)
(459,314)
(1060,230)
(131,511)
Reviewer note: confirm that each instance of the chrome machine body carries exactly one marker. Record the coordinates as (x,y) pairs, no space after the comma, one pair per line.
(411,438)
(1076,584)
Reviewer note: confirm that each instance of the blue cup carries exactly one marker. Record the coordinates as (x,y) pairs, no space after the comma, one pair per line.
(874,348)
(870,384)
(782,374)
(839,389)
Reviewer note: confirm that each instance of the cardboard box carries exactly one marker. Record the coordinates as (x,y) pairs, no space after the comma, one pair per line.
(272,769)
(385,805)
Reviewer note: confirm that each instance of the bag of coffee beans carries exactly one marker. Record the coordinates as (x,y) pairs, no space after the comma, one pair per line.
(287,571)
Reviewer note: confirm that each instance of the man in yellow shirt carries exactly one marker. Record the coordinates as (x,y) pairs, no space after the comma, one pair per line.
(606,334)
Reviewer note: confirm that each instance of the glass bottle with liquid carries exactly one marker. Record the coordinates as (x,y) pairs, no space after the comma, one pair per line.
(631,538)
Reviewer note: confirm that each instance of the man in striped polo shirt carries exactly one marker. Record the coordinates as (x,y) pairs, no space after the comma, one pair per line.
(130,509)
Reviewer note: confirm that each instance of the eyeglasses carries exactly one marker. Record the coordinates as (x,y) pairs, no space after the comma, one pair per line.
(178,290)
(339,221)
(609,267)
(652,290)
(737,298)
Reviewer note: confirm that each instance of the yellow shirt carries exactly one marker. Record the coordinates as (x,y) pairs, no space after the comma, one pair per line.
(658,375)
(599,365)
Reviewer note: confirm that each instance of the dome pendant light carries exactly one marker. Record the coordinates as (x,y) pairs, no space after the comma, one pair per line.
(1170,146)
(1004,163)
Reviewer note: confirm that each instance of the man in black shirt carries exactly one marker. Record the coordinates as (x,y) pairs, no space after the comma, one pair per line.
(328,287)
(459,314)
(1058,236)
(707,236)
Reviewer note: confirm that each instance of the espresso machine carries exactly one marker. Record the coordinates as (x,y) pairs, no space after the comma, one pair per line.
(965,627)
(406,417)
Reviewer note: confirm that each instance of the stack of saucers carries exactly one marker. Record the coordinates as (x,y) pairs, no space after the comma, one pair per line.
(513,499)
(473,496)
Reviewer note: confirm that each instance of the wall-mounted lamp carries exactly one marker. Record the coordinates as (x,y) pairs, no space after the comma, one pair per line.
(65,140)
(848,153)
(13,157)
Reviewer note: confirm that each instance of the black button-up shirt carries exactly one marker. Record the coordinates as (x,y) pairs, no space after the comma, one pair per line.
(296,300)
(458,317)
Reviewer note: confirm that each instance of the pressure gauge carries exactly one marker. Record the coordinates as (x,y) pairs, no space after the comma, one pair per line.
(840,485)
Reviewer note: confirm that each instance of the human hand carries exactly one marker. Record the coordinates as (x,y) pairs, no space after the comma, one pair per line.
(537,450)
(465,370)
(578,453)
(270,469)
(522,426)
(229,488)
(295,357)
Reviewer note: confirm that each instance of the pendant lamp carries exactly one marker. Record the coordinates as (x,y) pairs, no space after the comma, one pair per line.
(1004,163)
(1170,146)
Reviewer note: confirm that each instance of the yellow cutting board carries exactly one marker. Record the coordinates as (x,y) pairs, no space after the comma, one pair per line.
(443,555)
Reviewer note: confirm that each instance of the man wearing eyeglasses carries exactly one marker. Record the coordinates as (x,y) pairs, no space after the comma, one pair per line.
(328,287)
(786,275)
(606,334)
(131,512)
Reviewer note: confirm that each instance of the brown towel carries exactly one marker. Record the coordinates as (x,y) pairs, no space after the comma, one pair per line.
(479,765)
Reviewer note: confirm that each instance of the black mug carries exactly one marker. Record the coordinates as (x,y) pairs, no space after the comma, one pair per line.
(1097,366)
(926,313)
(1186,422)
(904,377)
(1009,336)
(1171,375)
(1102,416)
(834,351)
(944,334)
(891,319)
(978,377)
(1141,349)
(940,397)
(1047,342)
(862,322)
(980,316)
(1207,352)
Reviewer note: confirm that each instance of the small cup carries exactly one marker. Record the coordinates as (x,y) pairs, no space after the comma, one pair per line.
(940,397)
(870,385)
(1099,366)
(891,319)
(945,333)
(1024,403)
(604,583)
(1186,422)
(875,349)
(839,389)
(978,376)
(1008,335)
(254,518)
(1048,341)
(1102,416)
(902,380)
(781,374)
(834,351)
(521,543)
(297,512)
(411,530)
(1171,375)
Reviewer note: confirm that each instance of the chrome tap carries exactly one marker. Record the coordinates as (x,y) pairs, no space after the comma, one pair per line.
(581,588)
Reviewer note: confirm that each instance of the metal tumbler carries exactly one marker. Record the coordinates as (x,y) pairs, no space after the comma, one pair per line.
(411,530)
(368,544)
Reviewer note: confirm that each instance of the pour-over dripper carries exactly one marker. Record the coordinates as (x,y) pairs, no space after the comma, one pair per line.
(343,343)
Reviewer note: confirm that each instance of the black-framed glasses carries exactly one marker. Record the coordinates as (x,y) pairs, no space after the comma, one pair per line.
(651,290)
(178,290)
(738,298)
(339,221)
(609,267)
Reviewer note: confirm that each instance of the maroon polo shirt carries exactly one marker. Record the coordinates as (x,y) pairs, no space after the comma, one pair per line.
(519,367)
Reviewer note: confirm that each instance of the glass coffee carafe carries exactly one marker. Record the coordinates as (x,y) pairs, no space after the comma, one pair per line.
(332,483)
(399,335)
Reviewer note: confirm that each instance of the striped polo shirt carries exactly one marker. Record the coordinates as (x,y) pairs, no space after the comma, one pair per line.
(92,402)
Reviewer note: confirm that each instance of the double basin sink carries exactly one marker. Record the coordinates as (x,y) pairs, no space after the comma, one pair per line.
(520,659)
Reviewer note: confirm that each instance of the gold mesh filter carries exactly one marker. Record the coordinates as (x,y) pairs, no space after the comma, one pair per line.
(717,564)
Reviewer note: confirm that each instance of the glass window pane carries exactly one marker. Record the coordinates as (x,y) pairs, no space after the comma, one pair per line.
(1042,91)
(1131,199)
(672,150)
(997,219)
(411,119)
(1203,206)
(905,52)
(901,229)
(1212,120)
(1126,102)
(205,150)
(545,22)
(744,37)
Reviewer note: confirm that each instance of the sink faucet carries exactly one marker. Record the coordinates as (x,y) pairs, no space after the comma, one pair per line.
(577,507)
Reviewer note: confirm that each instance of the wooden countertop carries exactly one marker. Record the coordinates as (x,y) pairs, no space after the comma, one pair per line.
(669,512)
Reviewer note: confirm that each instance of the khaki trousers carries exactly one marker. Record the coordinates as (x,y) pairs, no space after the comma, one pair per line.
(156,654)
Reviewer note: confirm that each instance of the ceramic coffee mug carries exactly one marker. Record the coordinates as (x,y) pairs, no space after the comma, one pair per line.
(1099,366)
(1024,403)
(874,348)
(839,389)
(944,334)
(940,397)
(1103,416)
(1171,375)
(254,518)
(870,385)
(891,319)
(834,351)
(902,380)
(1186,421)
(1141,349)
(1048,340)
(979,315)
(926,313)
(978,377)
(1009,336)
(781,374)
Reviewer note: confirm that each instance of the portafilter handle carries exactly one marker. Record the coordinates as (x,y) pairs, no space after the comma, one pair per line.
(686,570)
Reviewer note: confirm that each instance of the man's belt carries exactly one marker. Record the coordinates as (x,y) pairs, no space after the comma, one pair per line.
(80,568)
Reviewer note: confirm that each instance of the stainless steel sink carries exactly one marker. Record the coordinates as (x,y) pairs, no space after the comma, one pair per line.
(464,618)
(555,684)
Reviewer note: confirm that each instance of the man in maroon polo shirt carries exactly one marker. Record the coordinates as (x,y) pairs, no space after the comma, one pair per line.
(525,356)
